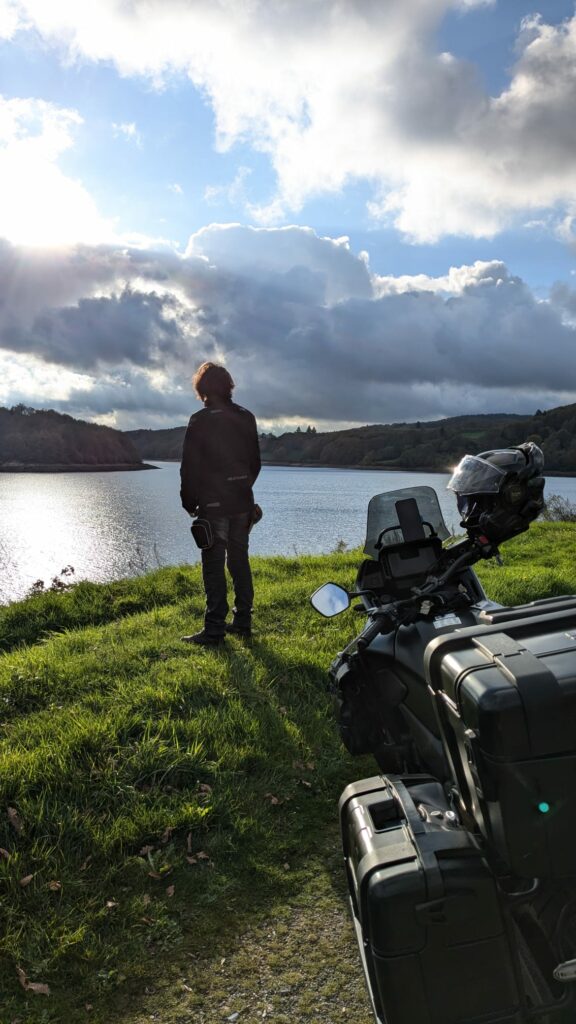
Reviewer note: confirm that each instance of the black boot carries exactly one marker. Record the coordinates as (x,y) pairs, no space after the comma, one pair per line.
(204,639)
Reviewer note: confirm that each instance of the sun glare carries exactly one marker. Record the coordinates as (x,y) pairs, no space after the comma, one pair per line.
(43,207)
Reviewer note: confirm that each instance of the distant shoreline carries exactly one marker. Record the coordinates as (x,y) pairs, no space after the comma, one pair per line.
(74,467)
(128,467)
(375,468)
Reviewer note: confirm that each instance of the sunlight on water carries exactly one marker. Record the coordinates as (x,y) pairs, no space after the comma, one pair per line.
(109,525)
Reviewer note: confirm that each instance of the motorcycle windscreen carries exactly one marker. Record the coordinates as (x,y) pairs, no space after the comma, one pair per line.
(384,523)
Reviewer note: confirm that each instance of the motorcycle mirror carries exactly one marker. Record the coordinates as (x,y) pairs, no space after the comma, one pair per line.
(330,600)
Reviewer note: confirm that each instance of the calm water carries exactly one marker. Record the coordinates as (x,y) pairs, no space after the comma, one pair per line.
(108,525)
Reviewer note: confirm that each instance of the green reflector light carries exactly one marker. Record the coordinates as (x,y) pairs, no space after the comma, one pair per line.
(543,807)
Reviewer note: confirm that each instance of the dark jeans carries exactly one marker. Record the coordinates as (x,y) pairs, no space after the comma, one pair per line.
(230,547)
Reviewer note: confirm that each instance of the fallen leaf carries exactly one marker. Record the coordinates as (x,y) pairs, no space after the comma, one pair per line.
(32,986)
(167,835)
(146,899)
(110,904)
(88,1007)
(310,766)
(38,988)
(202,855)
(14,819)
(286,866)
(170,890)
(273,799)
(54,885)
(26,880)
(192,860)
(4,854)
(86,863)
(305,783)
(154,874)
(146,850)
(147,920)
(204,788)
(189,842)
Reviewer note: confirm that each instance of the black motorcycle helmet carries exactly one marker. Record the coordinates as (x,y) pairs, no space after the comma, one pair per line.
(499,492)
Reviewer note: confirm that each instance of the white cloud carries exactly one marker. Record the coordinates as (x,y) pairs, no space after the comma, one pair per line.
(234,192)
(39,204)
(335,92)
(176,189)
(306,329)
(129,131)
(9,19)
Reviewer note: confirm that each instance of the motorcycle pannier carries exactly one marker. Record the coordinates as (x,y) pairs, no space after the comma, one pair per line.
(505,695)
(425,908)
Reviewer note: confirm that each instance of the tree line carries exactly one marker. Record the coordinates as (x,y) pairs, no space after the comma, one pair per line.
(38,438)
(432,446)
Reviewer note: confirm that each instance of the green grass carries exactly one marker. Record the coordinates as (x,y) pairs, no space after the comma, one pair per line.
(168,797)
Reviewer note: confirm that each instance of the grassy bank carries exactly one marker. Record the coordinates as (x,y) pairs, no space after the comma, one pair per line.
(158,802)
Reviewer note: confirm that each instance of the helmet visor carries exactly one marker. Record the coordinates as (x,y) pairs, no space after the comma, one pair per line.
(474,475)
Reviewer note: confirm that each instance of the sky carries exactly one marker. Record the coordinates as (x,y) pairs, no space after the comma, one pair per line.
(366,209)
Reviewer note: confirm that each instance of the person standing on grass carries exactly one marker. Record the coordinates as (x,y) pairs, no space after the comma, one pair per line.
(220,462)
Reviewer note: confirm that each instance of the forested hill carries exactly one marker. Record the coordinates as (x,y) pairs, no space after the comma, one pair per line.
(43,439)
(427,446)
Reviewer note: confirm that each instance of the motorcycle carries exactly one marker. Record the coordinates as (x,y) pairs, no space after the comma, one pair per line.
(461,855)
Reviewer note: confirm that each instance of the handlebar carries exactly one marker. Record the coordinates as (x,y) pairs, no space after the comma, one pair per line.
(371,631)
(389,616)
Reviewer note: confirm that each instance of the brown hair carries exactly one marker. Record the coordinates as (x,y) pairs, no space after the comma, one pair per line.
(211,379)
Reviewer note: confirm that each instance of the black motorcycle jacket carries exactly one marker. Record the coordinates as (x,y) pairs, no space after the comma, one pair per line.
(220,461)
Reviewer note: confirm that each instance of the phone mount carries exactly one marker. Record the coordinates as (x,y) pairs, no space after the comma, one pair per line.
(406,561)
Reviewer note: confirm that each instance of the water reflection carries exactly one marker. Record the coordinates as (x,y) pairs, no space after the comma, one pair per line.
(109,525)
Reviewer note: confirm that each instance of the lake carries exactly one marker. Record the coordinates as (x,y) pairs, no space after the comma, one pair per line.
(110,525)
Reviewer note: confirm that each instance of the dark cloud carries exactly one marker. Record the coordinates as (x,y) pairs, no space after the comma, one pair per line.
(305,328)
(135,327)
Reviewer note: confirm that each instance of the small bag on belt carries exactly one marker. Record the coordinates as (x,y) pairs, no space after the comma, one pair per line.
(201,530)
(257,514)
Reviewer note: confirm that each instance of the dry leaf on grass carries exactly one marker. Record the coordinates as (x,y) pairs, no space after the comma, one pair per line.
(55,885)
(25,881)
(167,834)
(204,788)
(111,904)
(4,854)
(192,860)
(170,890)
(32,986)
(86,863)
(146,899)
(14,819)
(146,850)
(189,842)
(274,800)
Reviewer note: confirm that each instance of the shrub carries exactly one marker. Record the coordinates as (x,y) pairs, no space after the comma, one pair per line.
(559,509)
